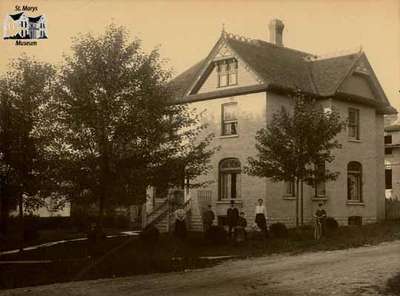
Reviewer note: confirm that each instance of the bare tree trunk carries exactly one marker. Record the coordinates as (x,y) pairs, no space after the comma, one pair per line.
(101,210)
(301,203)
(21,221)
(4,214)
(297,203)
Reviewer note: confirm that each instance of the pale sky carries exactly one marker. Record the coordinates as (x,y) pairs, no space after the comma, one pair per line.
(187,30)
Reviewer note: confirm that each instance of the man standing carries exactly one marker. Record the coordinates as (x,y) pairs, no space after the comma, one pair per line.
(261,217)
(208,218)
(232,217)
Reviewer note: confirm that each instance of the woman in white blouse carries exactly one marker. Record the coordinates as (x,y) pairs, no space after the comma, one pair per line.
(261,217)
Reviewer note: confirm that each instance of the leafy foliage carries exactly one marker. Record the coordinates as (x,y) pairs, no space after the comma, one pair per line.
(293,143)
(24,91)
(114,125)
(279,230)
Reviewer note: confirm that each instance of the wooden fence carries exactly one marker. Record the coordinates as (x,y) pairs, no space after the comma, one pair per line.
(392,209)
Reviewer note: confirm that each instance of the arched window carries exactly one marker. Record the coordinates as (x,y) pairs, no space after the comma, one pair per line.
(354,181)
(229,178)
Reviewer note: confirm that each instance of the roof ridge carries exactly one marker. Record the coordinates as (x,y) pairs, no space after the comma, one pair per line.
(335,54)
(259,41)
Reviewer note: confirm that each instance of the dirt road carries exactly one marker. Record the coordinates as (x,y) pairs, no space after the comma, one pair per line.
(361,271)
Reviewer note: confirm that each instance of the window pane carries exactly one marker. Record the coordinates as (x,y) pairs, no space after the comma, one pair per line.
(289,188)
(320,186)
(232,78)
(352,131)
(229,172)
(388,150)
(230,164)
(353,125)
(233,185)
(223,80)
(229,112)
(229,128)
(321,189)
(388,139)
(353,187)
(388,179)
(225,186)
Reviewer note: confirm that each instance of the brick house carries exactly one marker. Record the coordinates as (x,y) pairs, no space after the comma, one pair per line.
(242,83)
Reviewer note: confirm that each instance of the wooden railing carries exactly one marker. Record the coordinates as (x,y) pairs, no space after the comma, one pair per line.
(167,209)
(151,217)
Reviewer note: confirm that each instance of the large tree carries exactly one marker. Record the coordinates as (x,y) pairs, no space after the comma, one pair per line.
(24,90)
(118,128)
(294,145)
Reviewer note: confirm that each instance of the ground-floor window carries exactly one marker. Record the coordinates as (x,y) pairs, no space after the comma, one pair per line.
(229,178)
(354,181)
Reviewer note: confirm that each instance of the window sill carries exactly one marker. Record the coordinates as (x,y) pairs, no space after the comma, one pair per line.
(319,198)
(289,197)
(228,136)
(354,140)
(229,85)
(228,201)
(355,203)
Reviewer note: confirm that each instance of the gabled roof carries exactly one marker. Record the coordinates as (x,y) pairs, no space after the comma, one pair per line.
(274,64)
(16,17)
(279,68)
(328,73)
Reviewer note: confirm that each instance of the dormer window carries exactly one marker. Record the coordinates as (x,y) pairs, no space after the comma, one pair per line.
(227,72)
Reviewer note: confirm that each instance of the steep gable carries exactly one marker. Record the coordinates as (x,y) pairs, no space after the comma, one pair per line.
(362,82)
(328,73)
(359,85)
(210,82)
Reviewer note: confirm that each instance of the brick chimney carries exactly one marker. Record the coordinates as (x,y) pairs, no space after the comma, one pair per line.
(275,32)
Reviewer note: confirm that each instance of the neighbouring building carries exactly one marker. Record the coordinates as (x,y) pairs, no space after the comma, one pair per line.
(49,209)
(21,26)
(242,83)
(392,161)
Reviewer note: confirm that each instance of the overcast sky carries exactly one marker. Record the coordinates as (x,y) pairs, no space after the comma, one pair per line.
(187,30)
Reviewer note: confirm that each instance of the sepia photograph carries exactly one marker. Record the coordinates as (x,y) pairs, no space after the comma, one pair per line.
(193,148)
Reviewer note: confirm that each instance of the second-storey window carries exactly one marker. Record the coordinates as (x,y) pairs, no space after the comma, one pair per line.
(227,72)
(354,124)
(229,119)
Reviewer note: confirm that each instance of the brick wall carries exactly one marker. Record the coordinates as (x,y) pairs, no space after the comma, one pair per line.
(254,111)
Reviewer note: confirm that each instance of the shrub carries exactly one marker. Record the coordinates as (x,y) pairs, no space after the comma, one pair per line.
(150,235)
(217,235)
(121,221)
(31,227)
(355,220)
(279,230)
(331,224)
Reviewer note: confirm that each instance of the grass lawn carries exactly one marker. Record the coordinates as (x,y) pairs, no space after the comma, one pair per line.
(45,236)
(128,256)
